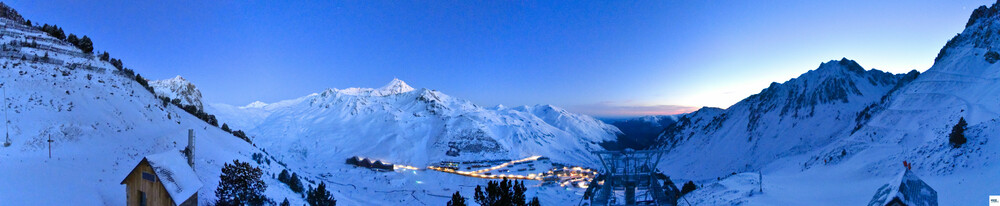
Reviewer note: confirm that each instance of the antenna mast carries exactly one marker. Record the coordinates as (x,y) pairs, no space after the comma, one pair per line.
(5,117)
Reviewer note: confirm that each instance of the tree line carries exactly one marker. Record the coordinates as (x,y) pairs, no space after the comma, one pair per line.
(241,184)
(497,193)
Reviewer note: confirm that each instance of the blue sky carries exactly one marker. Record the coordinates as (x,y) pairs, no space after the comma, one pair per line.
(615,58)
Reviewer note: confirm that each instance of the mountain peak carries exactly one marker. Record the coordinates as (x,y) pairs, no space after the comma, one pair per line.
(179,78)
(982,12)
(255,104)
(395,86)
(178,88)
(843,64)
(980,32)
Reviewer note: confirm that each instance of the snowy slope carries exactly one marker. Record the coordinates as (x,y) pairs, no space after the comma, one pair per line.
(412,126)
(915,123)
(178,88)
(785,119)
(102,123)
(842,159)
(962,83)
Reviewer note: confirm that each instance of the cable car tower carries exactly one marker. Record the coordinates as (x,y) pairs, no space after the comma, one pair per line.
(630,177)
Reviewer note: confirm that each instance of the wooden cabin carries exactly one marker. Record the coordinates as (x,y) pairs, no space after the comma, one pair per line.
(162,179)
(166,178)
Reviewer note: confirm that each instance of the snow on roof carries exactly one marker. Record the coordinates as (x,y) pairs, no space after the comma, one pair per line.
(908,188)
(176,175)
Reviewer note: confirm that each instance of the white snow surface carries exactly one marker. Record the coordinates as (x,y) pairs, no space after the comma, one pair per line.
(172,168)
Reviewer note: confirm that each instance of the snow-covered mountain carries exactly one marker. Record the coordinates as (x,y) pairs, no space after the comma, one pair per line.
(101,121)
(412,126)
(180,89)
(964,82)
(834,133)
(788,118)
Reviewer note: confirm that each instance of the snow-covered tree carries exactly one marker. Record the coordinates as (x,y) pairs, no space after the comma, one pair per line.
(240,184)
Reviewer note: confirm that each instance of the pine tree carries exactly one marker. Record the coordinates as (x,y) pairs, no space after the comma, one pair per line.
(285,203)
(58,33)
(320,196)
(479,196)
(518,195)
(72,39)
(957,136)
(225,127)
(295,184)
(534,202)
(457,200)
(505,192)
(283,177)
(86,45)
(688,187)
(240,184)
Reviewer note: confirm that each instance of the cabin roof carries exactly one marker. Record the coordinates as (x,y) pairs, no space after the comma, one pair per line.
(174,173)
(908,188)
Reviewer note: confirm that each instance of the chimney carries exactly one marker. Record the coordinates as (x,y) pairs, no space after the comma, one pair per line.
(190,148)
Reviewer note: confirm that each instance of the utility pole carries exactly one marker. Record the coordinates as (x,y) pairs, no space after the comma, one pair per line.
(50,146)
(6,118)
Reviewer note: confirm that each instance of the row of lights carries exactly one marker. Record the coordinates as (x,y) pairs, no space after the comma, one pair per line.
(578,176)
(398,167)
(478,175)
(532,158)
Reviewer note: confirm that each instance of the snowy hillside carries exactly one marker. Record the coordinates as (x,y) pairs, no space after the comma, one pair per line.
(964,82)
(834,141)
(412,126)
(785,119)
(101,123)
(180,89)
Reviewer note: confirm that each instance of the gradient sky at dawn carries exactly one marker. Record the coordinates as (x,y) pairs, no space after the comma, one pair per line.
(615,58)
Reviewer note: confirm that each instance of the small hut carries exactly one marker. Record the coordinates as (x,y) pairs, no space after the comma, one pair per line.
(162,179)
(905,190)
(166,178)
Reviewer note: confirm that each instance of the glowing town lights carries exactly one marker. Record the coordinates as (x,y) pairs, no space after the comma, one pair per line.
(399,167)
(565,176)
